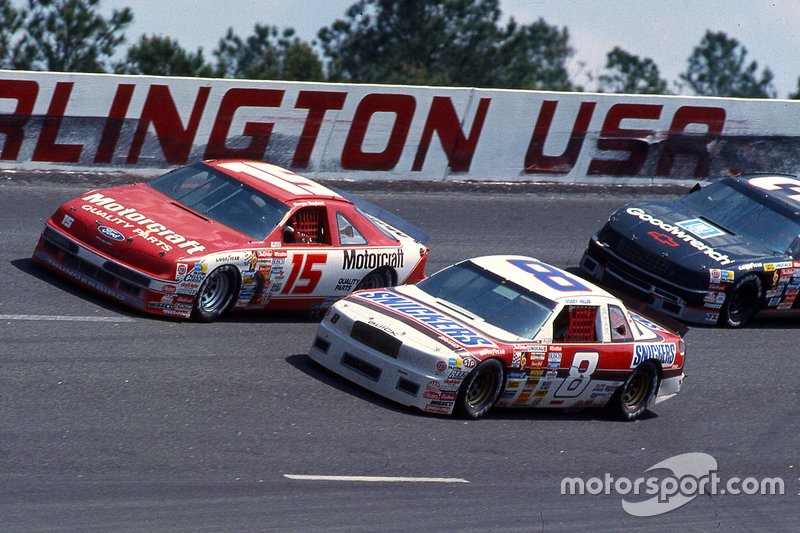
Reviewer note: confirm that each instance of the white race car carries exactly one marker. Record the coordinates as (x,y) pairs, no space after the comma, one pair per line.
(505,330)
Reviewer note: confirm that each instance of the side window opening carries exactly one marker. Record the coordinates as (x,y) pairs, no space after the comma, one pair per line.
(348,234)
(620,328)
(307,226)
(576,324)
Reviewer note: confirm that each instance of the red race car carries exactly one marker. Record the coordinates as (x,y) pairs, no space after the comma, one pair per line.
(228,234)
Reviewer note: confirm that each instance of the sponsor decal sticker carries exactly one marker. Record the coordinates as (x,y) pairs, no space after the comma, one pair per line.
(701,228)
(111,233)
(114,212)
(679,234)
(365,259)
(430,317)
(721,276)
(751,266)
(537,360)
(714,298)
(663,238)
(663,353)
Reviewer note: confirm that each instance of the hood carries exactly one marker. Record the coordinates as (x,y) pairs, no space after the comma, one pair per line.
(430,324)
(668,231)
(143,228)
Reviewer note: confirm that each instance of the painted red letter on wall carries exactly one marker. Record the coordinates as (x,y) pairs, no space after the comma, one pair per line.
(259,132)
(535,160)
(317,103)
(47,149)
(353,155)
(693,145)
(13,125)
(442,119)
(175,140)
(116,118)
(614,137)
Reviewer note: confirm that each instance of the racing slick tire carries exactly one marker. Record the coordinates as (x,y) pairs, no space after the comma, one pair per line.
(376,279)
(636,395)
(215,295)
(479,390)
(743,302)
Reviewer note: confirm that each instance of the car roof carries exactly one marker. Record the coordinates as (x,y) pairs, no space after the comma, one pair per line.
(278,182)
(782,189)
(542,278)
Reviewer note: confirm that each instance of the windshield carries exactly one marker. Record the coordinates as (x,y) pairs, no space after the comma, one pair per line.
(498,301)
(741,214)
(222,199)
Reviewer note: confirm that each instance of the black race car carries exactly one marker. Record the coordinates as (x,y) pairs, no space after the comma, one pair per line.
(721,254)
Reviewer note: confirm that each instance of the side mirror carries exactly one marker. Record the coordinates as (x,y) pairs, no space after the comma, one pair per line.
(695,188)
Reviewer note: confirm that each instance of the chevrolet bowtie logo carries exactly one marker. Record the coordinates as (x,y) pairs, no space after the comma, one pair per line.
(663,238)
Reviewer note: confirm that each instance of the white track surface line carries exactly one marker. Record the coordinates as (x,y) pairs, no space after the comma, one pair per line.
(378,479)
(67,318)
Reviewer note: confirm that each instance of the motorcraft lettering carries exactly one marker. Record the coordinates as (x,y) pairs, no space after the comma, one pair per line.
(354,260)
(680,234)
(430,317)
(128,217)
(663,353)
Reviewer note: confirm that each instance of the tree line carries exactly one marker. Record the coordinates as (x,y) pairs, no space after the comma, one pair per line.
(406,42)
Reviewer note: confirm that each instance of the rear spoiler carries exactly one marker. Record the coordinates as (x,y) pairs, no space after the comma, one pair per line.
(648,311)
(386,216)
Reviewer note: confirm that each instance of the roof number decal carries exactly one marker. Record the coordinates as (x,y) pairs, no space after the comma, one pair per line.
(292,183)
(553,278)
(774,183)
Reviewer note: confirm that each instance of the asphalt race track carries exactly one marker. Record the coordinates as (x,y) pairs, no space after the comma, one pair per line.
(111,420)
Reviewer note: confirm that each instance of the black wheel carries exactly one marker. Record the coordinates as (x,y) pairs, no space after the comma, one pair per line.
(742,302)
(638,392)
(375,280)
(480,389)
(215,294)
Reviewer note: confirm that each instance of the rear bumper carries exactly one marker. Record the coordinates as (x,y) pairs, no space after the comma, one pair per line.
(108,277)
(681,302)
(669,387)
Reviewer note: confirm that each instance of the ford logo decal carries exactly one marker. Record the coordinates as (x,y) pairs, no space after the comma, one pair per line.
(111,233)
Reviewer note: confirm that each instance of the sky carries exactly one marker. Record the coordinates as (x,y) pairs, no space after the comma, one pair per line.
(665,31)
